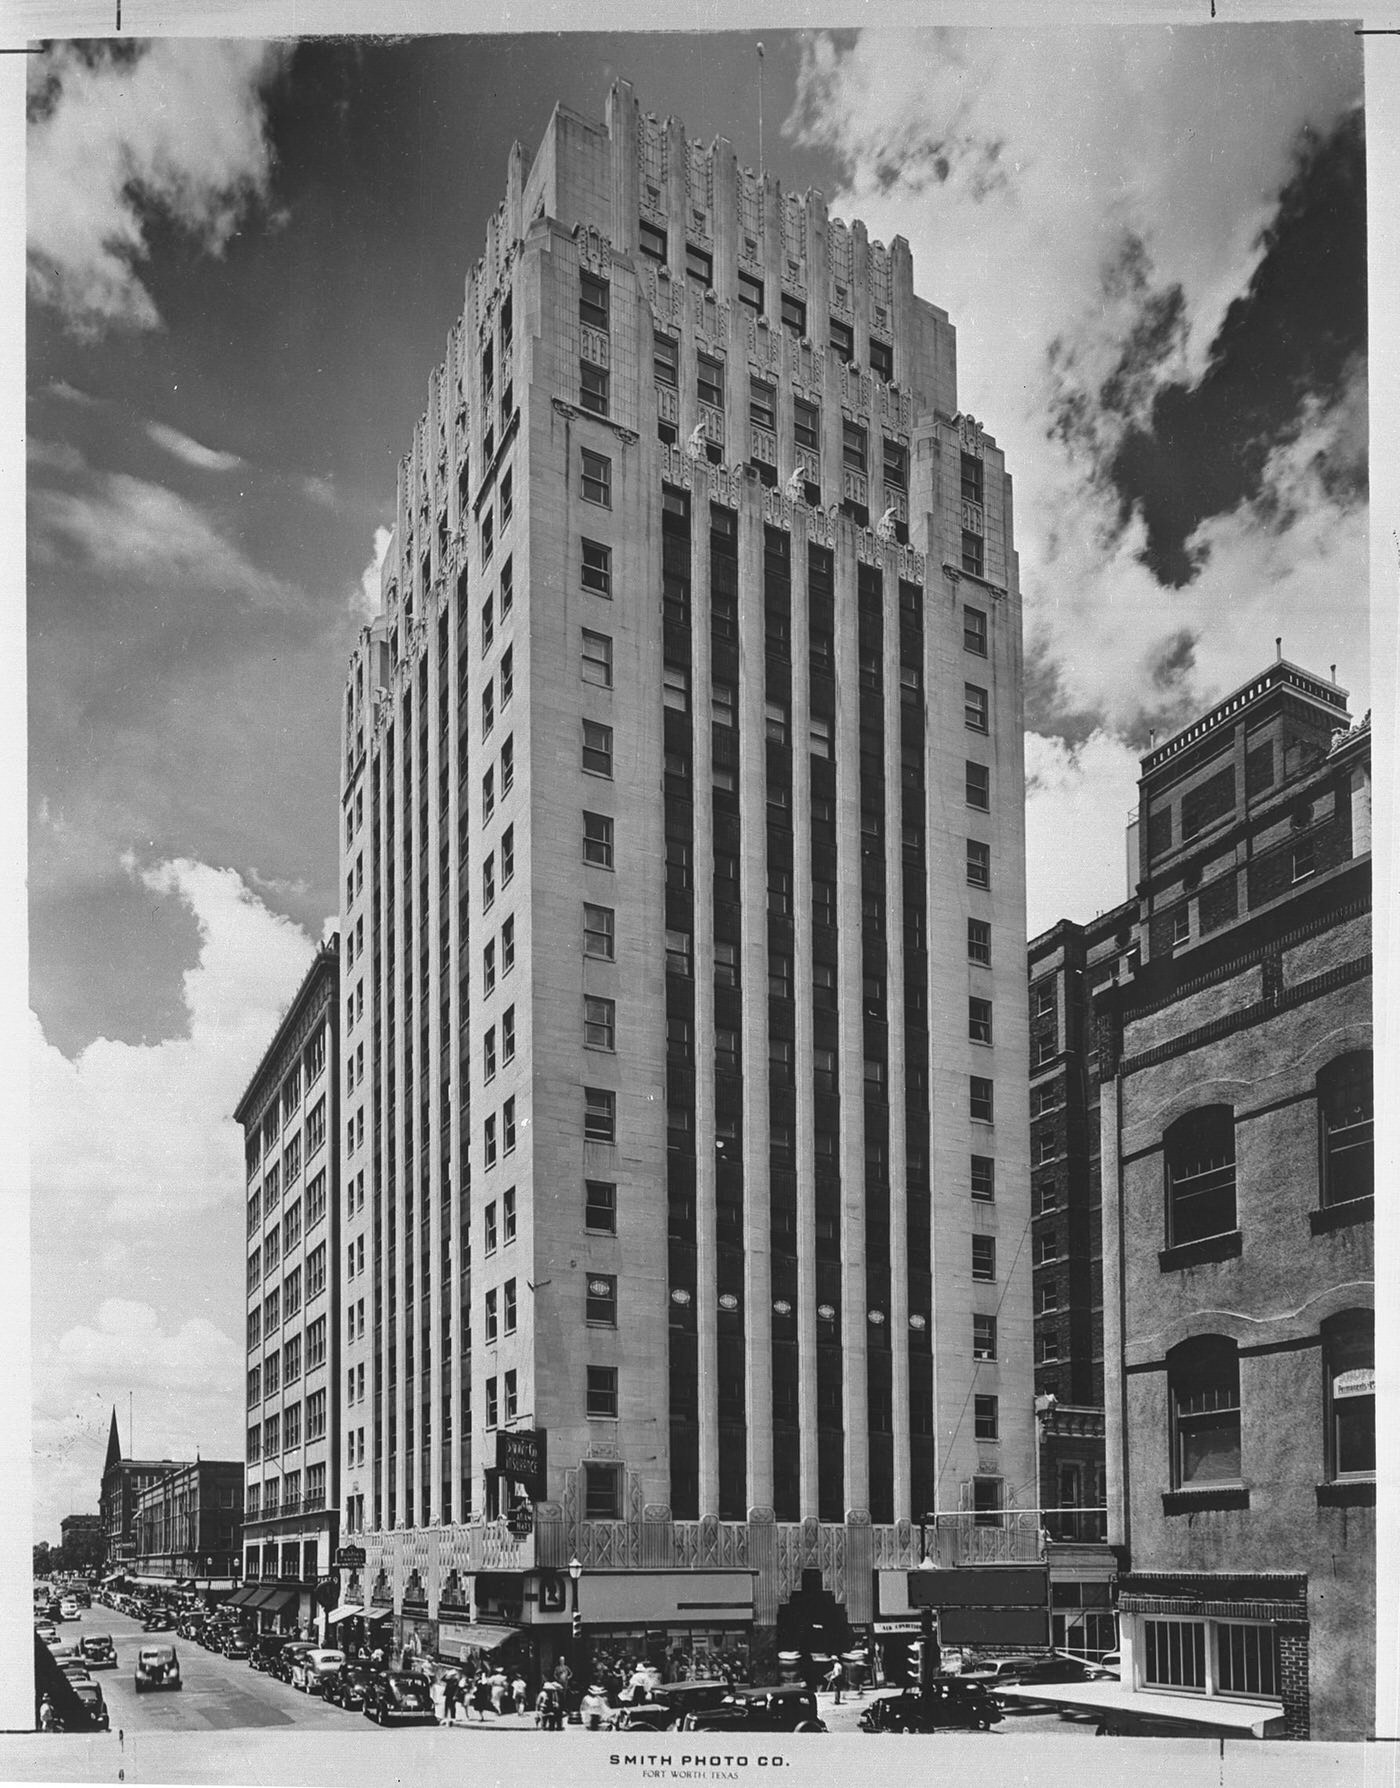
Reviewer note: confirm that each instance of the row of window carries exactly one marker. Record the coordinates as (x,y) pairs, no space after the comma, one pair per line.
(282,1109)
(291,1226)
(282,1432)
(263,1501)
(261,1324)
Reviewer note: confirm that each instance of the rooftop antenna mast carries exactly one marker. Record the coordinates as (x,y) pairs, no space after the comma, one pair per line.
(760,110)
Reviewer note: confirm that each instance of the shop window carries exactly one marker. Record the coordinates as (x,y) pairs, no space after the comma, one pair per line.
(1204,1386)
(1346,1117)
(1199,1152)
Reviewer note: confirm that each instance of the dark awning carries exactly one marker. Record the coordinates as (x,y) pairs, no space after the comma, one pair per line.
(242,1597)
(279,1601)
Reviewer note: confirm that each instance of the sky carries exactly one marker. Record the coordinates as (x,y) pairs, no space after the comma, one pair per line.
(243,262)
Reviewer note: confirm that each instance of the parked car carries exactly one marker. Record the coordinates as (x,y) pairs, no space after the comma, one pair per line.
(75,1669)
(235,1645)
(93,1703)
(264,1649)
(47,1631)
(159,1622)
(99,1651)
(347,1687)
(663,1709)
(157,1667)
(1109,1665)
(947,1704)
(70,1609)
(400,1697)
(284,1662)
(789,1708)
(311,1669)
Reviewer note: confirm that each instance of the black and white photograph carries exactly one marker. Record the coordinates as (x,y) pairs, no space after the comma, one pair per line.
(694,729)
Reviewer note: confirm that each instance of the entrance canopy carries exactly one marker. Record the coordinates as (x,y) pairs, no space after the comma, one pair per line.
(1257,1719)
(344,1612)
(476,1638)
(243,1598)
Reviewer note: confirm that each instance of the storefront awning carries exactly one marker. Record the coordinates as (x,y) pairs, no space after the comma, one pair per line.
(1259,1719)
(468,1637)
(113,1577)
(345,1611)
(242,1598)
(275,1601)
(375,1615)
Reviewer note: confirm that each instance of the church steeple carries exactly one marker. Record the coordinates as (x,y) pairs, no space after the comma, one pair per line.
(114,1445)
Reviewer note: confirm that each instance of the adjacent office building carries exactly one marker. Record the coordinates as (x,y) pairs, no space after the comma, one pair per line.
(290,1119)
(188,1528)
(123,1481)
(683,1067)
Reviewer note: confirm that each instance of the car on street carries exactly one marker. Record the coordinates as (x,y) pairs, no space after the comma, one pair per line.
(955,1704)
(1110,1666)
(47,1631)
(99,1651)
(157,1667)
(399,1697)
(788,1708)
(70,1609)
(75,1670)
(235,1645)
(663,1709)
(312,1669)
(347,1687)
(160,1622)
(285,1661)
(264,1650)
(93,1703)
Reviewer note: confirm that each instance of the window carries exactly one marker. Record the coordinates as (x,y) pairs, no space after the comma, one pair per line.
(602,1492)
(488,1141)
(979,1020)
(488,708)
(271,1378)
(492,1327)
(896,465)
(488,536)
(699,266)
(651,240)
(678,953)
(507,856)
(597,662)
(675,688)
(751,291)
(597,749)
(1181,924)
(853,448)
(508,1215)
(975,708)
(493,1403)
(843,338)
(592,300)
(793,313)
(488,880)
(980,1099)
(763,404)
(508,1307)
(1346,1118)
(978,787)
(983,1178)
(986,1502)
(882,360)
(1349,1361)
(819,736)
(665,360)
(599,1023)
(984,1258)
(600,1302)
(316,1416)
(598,933)
(596,471)
(489,1230)
(598,840)
(507,675)
(775,721)
(508,1035)
(971,553)
(985,1418)
(316,1128)
(512,1395)
(291,1287)
(592,388)
(596,572)
(975,631)
(508,568)
(599,1115)
(488,966)
(488,1054)
(1203,1377)
(1199,1152)
(507,945)
(600,1206)
(726,963)
(979,864)
(316,1343)
(488,793)
(709,380)
(806,421)
(602,1391)
(979,941)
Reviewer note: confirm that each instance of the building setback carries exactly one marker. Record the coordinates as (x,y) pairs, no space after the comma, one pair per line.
(290,1116)
(1236,1123)
(684,1054)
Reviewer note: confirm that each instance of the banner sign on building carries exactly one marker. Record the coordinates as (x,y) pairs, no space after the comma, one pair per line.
(350,1558)
(995,1586)
(520,1455)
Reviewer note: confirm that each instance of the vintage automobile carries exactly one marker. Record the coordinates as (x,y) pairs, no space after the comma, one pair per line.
(235,1644)
(285,1661)
(98,1651)
(264,1650)
(347,1687)
(311,1670)
(949,1702)
(788,1708)
(663,1709)
(157,1667)
(399,1696)
(93,1705)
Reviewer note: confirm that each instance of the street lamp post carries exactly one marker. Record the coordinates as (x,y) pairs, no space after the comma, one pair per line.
(929,1655)
(575,1572)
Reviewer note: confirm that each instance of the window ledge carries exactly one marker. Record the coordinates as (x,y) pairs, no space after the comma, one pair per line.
(1208,1497)
(1211,1247)
(1342,1216)
(1347,1493)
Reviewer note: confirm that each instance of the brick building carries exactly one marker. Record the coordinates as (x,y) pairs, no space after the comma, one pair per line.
(1236,1114)
(188,1528)
(682,846)
(123,1481)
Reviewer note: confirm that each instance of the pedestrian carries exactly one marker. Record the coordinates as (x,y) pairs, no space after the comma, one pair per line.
(836,1678)
(500,1688)
(481,1696)
(48,1720)
(519,1691)
(594,1707)
(451,1690)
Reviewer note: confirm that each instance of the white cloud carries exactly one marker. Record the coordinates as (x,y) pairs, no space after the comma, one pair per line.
(1077,805)
(54,456)
(206,459)
(130,526)
(179,124)
(126,1133)
(366,598)
(320,490)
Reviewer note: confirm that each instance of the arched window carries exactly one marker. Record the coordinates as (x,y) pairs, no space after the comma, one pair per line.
(1203,1377)
(1349,1363)
(1346,1123)
(1199,1150)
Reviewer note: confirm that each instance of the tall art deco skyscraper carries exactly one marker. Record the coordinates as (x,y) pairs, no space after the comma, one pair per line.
(683,1055)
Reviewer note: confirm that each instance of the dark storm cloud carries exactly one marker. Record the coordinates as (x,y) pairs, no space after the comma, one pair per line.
(1287,346)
